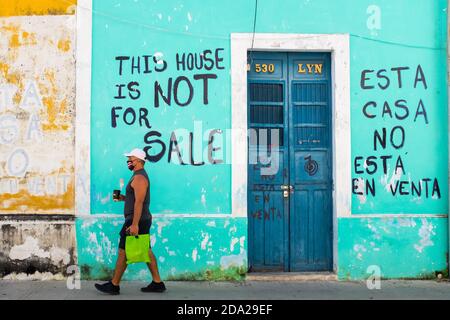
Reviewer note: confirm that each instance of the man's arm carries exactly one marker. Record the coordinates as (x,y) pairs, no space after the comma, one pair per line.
(139,185)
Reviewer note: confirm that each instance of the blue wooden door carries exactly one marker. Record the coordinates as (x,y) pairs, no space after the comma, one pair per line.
(310,162)
(268,162)
(289,171)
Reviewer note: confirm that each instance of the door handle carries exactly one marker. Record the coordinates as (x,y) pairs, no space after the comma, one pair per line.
(287,189)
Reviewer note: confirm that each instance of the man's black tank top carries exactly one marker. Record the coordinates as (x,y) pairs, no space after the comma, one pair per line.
(130,199)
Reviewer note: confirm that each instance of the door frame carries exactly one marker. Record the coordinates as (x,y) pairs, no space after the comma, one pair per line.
(339,47)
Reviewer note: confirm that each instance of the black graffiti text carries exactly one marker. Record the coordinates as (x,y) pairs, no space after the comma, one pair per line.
(172,89)
(395,77)
(425,187)
(140,64)
(206,60)
(174,154)
(398,110)
(422,187)
(132,89)
(396,138)
(372,164)
(130,116)
(272,213)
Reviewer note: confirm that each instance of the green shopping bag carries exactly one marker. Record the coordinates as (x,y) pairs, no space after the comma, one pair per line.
(136,248)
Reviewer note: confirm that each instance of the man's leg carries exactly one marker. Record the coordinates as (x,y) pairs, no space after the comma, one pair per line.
(153,266)
(121,266)
(156,285)
(112,287)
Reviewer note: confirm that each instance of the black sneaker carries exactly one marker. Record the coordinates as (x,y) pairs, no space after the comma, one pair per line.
(108,287)
(154,287)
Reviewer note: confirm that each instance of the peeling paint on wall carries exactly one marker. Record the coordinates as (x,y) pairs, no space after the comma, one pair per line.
(401,247)
(33,250)
(37,98)
(190,254)
(425,234)
(37,94)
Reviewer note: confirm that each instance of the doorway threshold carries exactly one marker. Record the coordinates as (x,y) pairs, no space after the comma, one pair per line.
(291,276)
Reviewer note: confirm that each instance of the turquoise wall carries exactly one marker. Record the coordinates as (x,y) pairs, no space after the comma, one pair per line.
(185,249)
(399,247)
(408,34)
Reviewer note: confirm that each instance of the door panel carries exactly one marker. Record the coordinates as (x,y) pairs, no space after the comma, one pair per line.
(310,166)
(267,118)
(310,250)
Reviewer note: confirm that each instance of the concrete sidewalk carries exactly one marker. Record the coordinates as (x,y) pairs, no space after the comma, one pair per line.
(247,290)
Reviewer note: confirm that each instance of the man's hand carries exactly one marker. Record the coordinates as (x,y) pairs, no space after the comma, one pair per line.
(133,230)
(121,198)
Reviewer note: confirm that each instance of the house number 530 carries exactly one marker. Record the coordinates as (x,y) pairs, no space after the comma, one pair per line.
(263,67)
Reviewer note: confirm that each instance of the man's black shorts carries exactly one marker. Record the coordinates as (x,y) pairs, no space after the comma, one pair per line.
(144,228)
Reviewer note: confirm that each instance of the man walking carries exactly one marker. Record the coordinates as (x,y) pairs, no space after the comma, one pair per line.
(138,220)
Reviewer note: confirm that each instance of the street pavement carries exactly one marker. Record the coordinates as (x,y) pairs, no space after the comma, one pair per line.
(245,290)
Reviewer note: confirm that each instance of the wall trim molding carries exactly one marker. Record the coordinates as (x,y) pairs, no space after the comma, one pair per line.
(49,218)
(162,216)
(395,215)
(83,108)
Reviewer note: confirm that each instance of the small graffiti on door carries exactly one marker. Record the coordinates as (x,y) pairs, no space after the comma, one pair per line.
(268,212)
(311,166)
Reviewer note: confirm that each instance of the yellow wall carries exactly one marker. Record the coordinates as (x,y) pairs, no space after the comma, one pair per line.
(37,106)
(36,7)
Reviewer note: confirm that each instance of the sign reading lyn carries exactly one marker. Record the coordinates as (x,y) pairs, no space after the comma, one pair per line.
(390,144)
